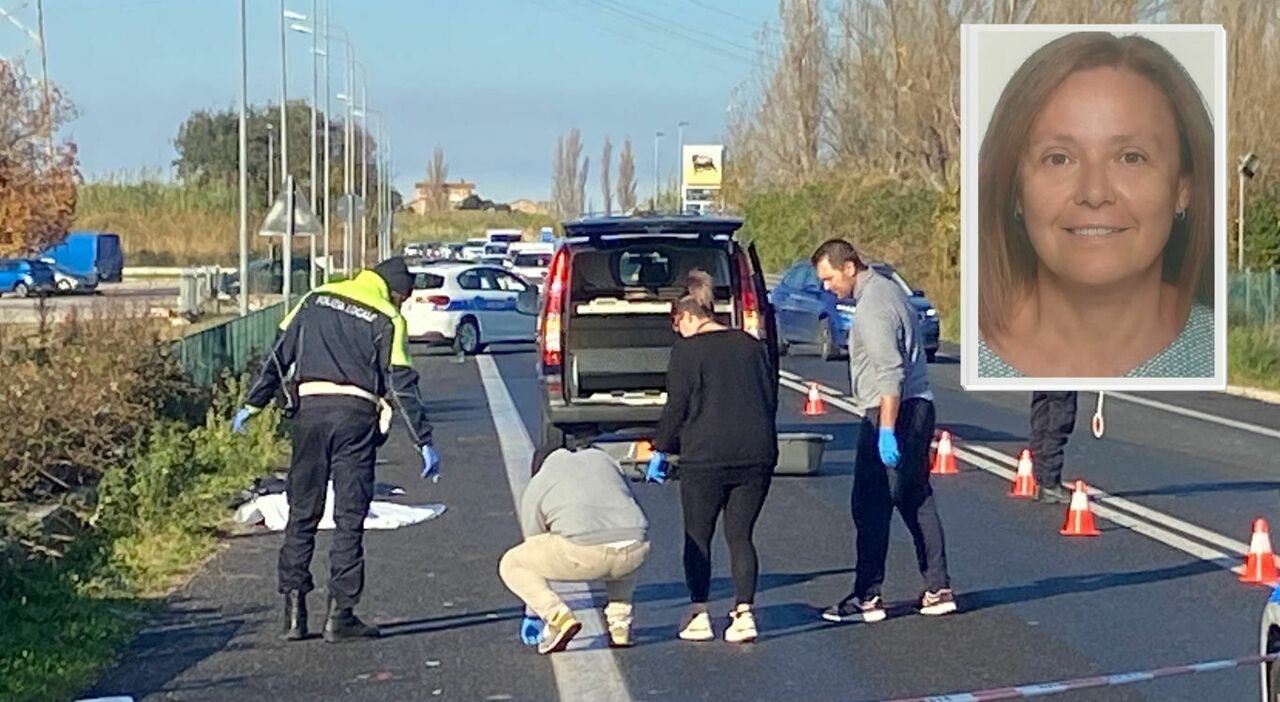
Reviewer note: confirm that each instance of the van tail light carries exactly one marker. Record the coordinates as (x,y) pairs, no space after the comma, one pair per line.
(440,302)
(752,314)
(551,322)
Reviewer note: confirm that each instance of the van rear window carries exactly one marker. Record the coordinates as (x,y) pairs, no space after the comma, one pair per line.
(649,266)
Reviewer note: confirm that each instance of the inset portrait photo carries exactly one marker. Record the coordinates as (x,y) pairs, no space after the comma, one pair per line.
(1093,223)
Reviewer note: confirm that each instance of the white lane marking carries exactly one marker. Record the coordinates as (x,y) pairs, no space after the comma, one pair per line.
(1106,506)
(1168,521)
(587,671)
(1196,414)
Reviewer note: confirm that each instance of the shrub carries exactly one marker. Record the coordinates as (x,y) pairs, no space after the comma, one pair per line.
(80,397)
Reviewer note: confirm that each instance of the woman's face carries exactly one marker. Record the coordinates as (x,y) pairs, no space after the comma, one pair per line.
(1100,179)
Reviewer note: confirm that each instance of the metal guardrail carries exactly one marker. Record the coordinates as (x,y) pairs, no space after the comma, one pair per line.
(228,346)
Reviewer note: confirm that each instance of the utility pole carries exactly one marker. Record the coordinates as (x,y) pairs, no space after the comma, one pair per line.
(271,164)
(44,76)
(328,122)
(244,171)
(656,137)
(285,180)
(315,98)
(364,167)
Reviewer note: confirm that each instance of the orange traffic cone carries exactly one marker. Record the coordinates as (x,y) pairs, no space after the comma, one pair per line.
(813,406)
(1259,563)
(944,461)
(1024,483)
(1079,518)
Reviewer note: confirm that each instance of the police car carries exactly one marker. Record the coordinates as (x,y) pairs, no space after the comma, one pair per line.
(467,306)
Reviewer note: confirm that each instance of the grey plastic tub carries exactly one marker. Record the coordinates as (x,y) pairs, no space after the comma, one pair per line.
(801,453)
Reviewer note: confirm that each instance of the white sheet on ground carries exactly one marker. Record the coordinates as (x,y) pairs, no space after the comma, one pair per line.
(273,512)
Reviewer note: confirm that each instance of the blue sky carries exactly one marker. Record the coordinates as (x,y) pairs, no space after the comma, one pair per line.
(492,81)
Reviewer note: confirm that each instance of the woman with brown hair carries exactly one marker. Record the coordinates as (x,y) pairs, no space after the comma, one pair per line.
(720,418)
(1096,198)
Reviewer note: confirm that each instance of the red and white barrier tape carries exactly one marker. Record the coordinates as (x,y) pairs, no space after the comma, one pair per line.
(1053,688)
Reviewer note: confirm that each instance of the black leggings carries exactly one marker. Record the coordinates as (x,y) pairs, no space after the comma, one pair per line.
(740,493)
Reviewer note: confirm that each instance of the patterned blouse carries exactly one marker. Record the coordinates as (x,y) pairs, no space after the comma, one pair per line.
(1189,356)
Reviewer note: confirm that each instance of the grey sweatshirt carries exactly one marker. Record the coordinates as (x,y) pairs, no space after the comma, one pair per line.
(885,355)
(582,496)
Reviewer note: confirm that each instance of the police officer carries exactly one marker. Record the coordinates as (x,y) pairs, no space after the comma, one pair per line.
(1053,418)
(342,349)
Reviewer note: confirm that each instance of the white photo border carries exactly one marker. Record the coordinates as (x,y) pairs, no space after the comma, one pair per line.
(971,142)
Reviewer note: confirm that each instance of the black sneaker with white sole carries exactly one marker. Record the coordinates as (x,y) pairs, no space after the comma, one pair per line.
(856,609)
(938,603)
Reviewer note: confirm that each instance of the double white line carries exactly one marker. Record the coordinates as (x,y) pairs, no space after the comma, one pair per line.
(1207,545)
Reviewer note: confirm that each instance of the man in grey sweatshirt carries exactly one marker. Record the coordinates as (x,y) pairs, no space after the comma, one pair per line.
(581,523)
(889,375)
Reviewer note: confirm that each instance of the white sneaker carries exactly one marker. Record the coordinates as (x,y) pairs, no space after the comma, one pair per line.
(742,625)
(697,626)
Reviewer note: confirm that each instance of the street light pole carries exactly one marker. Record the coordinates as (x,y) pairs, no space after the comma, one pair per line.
(244,172)
(44,75)
(680,163)
(271,164)
(287,252)
(656,136)
(364,164)
(315,98)
(328,122)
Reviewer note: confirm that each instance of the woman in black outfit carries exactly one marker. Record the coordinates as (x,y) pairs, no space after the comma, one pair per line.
(720,419)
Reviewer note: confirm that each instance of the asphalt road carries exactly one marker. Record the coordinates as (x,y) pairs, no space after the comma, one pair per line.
(1034,606)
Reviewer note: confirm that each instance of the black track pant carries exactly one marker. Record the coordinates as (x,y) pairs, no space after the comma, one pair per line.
(877,491)
(1053,418)
(740,494)
(333,438)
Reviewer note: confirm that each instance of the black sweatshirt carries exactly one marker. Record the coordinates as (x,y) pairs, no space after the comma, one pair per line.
(721,403)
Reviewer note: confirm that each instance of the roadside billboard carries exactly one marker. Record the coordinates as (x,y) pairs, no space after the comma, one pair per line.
(702,166)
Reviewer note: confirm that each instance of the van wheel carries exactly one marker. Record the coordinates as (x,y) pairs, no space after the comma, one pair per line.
(826,345)
(467,339)
(553,436)
(21,290)
(931,356)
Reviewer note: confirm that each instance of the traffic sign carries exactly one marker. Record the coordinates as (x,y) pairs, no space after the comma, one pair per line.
(343,206)
(276,223)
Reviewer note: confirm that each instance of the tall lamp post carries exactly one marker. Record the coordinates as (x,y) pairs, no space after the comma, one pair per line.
(1249,164)
(657,136)
(680,162)
(244,172)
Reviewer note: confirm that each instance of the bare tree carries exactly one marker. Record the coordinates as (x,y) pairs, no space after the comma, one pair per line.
(626,178)
(437,195)
(568,176)
(580,193)
(605,190)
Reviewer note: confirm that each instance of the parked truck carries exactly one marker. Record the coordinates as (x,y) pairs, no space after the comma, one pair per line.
(89,254)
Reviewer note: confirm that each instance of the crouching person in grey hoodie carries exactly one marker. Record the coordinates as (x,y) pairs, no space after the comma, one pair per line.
(581,523)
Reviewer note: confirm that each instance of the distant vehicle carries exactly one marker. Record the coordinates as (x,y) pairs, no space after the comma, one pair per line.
(25,277)
(86,253)
(68,281)
(496,249)
(415,250)
(808,314)
(467,306)
(532,265)
(503,236)
(495,260)
(473,249)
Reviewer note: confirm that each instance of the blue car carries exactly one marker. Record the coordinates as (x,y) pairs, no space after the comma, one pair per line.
(25,277)
(809,314)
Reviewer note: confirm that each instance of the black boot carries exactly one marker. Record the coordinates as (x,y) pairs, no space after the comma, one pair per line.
(295,616)
(343,625)
(1051,495)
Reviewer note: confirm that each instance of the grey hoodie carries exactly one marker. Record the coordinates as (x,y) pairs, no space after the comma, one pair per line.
(582,496)
(885,352)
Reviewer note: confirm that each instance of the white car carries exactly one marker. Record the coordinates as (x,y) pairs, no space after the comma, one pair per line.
(473,249)
(531,265)
(468,306)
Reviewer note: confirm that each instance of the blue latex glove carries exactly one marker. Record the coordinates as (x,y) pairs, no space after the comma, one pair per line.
(241,418)
(888,448)
(530,630)
(656,473)
(430,464)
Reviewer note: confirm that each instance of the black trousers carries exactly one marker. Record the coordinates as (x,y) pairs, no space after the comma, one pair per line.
(878,490)
(333,438)
(740,494)
(1053,418)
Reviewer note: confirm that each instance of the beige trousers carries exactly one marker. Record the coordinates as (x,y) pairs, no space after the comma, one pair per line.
(526,568)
